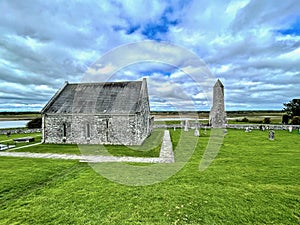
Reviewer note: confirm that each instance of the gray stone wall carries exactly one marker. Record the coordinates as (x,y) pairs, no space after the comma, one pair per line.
(267,126)
(20,131)
(232,126)
(95,129)
(143,117)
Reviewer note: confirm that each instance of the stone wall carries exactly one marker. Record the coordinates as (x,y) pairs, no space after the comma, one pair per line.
(20,131)
(143,116)
(94,129)
(232,126)
(256,126)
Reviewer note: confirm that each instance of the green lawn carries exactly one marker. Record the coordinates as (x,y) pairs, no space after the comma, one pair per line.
(252,181)
(150,148)
(9,140)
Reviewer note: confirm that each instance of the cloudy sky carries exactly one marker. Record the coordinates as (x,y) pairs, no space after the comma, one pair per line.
(252,46)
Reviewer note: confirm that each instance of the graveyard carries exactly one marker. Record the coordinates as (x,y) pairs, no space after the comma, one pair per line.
(252,180)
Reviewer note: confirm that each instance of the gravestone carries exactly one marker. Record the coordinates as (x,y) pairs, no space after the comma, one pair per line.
(299,130)
(186,125)
(290,129)
(197,133)
(271,135)
(204,130)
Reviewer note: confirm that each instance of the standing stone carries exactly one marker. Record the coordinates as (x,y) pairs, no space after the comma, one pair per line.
(217,116)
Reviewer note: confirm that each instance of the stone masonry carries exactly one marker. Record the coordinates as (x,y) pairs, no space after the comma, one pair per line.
(217,116)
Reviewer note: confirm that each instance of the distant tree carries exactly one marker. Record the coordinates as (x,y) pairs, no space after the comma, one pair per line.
(296,120)
(285,119)
(35,123)
(292,108)
(267,120)
(245,119)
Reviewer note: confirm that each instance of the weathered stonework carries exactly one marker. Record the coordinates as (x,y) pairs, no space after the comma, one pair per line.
(119,128)
(217,116)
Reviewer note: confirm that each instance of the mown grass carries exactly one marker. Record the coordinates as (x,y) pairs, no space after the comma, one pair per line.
(3,137)
(252,181)
(150,148)
(9,140)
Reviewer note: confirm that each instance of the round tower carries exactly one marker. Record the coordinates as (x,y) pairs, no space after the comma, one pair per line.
(217,116)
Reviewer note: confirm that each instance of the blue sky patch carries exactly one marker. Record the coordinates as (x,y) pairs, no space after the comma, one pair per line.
(293,30)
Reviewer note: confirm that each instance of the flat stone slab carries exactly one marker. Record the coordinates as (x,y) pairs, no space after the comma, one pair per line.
(166,155)
(24,139)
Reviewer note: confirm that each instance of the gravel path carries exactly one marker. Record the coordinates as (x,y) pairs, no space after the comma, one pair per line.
(166,155)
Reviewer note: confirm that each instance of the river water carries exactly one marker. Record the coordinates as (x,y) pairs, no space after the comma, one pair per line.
(13,123)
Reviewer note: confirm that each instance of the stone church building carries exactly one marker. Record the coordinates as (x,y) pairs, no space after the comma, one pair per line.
(98,113)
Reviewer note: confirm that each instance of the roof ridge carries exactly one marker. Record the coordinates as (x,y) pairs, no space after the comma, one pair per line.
(107,82)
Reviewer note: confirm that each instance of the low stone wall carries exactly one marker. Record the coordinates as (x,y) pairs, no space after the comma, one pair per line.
(257,126)
(166,126)
(233,126)
(20,131)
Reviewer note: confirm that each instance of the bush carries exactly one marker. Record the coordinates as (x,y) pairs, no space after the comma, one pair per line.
(244,120)
(285,119)
(35,123)
(295,120)
(267,120)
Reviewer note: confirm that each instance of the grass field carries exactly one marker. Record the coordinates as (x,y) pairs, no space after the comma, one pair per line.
(10,140)
(19,116)
(150,148)
(252,181)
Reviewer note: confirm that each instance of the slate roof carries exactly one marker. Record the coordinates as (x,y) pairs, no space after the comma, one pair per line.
(97,98)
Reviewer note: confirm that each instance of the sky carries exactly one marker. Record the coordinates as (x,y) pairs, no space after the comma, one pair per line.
(252,46)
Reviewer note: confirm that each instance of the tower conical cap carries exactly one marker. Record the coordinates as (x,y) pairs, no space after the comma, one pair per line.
(218,84)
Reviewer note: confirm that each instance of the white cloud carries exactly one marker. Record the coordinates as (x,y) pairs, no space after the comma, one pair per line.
(251,45)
